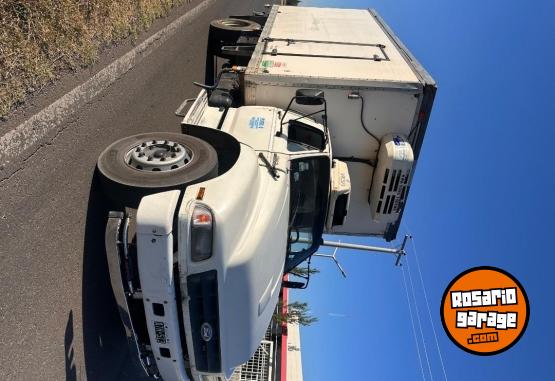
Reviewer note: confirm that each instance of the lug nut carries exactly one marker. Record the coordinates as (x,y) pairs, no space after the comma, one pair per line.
(178,149)
(137,149)
(174,154)
(149,158)
(144,144)
(162,159)
(141,154)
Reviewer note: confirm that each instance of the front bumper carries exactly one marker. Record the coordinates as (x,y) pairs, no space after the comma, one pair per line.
(159,347)
(116,229)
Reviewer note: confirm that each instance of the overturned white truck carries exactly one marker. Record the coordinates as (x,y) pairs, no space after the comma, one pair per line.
(310,122)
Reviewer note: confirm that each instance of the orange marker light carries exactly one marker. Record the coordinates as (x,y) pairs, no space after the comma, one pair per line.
(200,194)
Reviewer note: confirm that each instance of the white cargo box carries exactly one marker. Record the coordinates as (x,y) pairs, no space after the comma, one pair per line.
(345,52)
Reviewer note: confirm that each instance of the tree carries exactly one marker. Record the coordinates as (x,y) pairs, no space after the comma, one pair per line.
(297,313)
(303,271)
(292,2)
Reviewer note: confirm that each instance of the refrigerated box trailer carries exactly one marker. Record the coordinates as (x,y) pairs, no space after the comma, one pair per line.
(373,88)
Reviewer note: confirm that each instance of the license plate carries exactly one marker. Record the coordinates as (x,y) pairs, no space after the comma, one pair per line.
(160,331)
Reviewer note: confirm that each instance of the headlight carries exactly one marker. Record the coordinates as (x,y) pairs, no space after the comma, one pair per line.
(201,233)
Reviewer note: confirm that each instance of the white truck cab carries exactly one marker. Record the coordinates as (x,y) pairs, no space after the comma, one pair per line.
(298,131)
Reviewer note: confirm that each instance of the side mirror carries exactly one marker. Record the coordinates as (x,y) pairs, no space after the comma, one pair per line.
(307,97)
(310,97)
(289,284)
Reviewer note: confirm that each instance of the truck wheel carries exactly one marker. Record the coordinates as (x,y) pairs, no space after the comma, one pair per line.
(235,25)
(138,165)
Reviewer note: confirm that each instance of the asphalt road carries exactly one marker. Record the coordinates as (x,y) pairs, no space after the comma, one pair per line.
(58,319)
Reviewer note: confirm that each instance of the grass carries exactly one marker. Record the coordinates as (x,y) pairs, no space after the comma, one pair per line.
(41,38)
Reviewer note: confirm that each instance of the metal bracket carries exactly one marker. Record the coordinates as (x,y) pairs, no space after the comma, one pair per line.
(398,252)
(401,251)
(289,41)
(179,111)
(238,50)
(332,256)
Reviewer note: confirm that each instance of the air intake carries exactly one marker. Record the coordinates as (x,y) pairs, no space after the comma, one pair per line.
(205,327)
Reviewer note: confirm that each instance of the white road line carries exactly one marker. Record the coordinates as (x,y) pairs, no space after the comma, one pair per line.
(31,132)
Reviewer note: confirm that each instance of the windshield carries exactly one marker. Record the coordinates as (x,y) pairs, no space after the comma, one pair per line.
(308,205)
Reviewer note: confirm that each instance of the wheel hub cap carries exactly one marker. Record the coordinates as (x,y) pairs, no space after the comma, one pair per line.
(159,155)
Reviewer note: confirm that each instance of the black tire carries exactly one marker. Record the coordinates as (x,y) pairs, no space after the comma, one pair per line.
(224,32)
(125,185)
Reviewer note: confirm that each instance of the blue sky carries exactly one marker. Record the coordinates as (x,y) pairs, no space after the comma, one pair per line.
(482,195)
